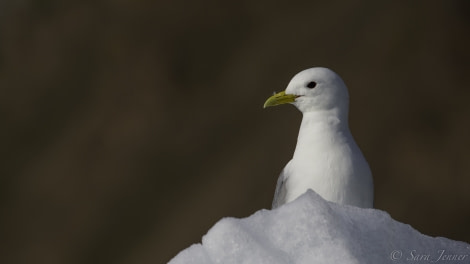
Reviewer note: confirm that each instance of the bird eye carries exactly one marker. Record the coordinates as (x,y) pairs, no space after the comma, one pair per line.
(311,85)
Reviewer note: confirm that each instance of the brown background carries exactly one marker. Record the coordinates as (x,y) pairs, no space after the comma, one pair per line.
(130,127)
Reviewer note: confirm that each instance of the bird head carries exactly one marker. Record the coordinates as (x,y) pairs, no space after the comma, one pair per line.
(314,89)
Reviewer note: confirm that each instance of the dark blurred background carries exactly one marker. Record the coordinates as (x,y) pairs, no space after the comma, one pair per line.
(130,127)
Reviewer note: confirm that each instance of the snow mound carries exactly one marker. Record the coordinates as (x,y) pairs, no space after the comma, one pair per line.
(312,230)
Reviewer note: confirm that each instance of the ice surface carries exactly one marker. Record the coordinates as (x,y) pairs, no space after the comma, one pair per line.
(312,230)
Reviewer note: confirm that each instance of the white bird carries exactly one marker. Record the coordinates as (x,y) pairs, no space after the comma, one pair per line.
(326,158)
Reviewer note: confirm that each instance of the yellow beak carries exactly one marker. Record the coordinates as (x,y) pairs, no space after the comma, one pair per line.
(280,98)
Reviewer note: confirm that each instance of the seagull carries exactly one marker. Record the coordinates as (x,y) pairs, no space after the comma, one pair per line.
(326,158)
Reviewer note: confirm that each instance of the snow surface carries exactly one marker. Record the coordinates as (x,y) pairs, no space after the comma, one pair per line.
(312,230)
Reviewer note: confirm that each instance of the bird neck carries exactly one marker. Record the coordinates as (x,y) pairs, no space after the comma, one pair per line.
(320,129)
